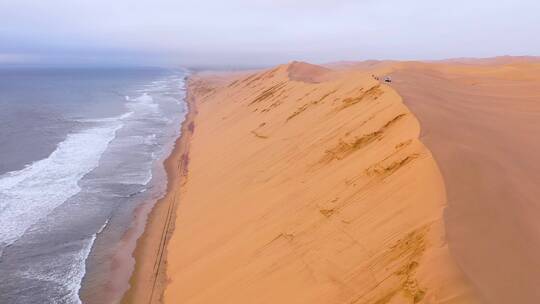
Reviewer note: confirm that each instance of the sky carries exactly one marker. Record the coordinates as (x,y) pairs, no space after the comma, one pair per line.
(259,33)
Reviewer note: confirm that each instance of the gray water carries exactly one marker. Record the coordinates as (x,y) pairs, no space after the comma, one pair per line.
(80,149)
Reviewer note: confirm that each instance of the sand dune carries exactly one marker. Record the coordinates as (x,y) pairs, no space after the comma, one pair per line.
(481,120)
(309,185)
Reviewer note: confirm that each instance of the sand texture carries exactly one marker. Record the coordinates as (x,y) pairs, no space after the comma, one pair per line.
(309,185)
(481,120)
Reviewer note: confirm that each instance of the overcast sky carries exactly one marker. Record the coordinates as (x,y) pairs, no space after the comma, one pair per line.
(251,32)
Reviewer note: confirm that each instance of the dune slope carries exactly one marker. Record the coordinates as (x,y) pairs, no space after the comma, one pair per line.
(307,185)
(481,120)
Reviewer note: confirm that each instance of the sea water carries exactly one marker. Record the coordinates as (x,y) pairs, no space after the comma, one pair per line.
(80,150)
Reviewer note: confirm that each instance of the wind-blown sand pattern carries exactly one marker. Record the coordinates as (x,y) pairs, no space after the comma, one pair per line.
(308,185)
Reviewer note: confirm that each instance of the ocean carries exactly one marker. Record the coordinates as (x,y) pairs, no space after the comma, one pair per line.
(80,150)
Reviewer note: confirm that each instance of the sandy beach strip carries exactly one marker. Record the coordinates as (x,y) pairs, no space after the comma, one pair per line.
(149,277)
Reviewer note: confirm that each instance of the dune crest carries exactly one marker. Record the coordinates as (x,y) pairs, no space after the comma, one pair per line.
(304,191)
(306,72)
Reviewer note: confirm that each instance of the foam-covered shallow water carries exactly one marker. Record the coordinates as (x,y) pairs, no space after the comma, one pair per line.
(62,199)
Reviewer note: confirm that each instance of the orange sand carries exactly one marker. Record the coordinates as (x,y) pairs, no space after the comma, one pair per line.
(307,185)
(481,120)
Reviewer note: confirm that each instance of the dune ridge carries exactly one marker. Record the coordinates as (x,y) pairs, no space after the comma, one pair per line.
(309,185)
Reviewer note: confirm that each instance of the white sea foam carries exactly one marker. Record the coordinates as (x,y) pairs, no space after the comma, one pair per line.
(28,195)
(143,103)
(78,273)
(103,227)
(148,177)
(108,119)
(71,278)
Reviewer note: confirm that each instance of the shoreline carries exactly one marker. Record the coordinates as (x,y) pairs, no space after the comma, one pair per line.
(148,279)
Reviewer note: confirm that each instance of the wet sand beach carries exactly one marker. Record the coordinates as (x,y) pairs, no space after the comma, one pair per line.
(148,278)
